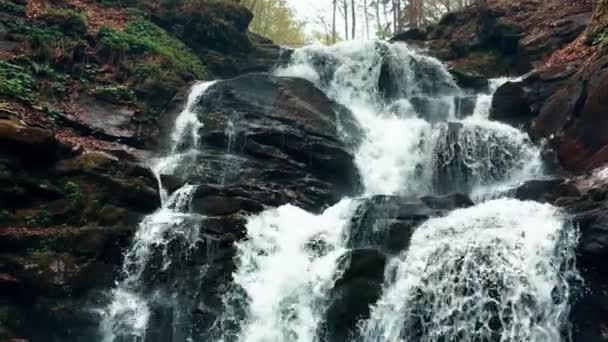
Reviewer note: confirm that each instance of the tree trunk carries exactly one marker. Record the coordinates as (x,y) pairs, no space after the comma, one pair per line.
(354,19)
(386,15)
(333,22)
(378,20)
(345,4)
(366,13)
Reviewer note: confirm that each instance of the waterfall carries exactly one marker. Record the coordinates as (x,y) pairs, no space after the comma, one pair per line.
(162,240)
(496,271)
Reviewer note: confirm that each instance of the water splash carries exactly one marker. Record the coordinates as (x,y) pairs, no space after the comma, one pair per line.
(154,250)
(406,145)
(496,272)
(128,314)
(286,267)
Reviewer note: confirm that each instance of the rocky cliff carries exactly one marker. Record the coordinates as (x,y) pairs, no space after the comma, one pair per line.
(84,85)
(90,88)
(560,48)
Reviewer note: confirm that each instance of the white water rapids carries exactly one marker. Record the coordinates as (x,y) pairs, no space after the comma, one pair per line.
(497,271)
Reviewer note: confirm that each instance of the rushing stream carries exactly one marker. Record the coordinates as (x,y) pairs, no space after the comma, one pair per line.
(497,271)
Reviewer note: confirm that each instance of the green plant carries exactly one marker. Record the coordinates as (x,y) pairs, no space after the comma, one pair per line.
(12,7)
(70,21)
(114,93)
(73,190)
(47,42)
(141,37)
(599,38)
(15,82)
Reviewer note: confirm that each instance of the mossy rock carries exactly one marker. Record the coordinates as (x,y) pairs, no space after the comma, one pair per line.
(490,64)
(13,7)
(16,82)
(114,93)
(70,21)
(597,31)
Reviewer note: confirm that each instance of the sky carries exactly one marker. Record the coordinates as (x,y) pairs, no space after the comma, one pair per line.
(306,8)
(309,10)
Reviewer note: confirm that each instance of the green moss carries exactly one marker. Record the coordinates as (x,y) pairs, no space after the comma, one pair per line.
(40,219)
(47,42)
(73,190)
(15,82)
(142,37)
(597,30)
(114,93)
(69,21)
(599,38)
(12,7)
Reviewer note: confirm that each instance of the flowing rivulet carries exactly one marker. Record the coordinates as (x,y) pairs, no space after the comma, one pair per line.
(497,271)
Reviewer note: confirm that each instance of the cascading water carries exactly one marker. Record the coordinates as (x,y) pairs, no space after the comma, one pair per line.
(170,234)
(497,271)
(289,262)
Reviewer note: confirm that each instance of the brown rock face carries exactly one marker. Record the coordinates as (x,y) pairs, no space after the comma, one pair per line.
(573,119)
(286,142)
(501,37)
(66,212)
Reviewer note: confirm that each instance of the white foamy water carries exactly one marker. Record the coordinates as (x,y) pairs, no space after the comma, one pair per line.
(289,261)
(128,314)
(397,153)
(286,267)
(495,272)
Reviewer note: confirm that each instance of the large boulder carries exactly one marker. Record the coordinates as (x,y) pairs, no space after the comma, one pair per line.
(265,141)
(520,102)
(277,140)
(572,120)
(510,104)
(217,31)
(381,227)
(387,222)
(68,208)
(494,38)
(590,215)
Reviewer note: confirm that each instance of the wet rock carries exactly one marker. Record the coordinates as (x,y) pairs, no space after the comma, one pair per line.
(432,109)
(123,183)
(547,190)
(591,305)
(388,222)
(470,81)
(510,104)
(30,143)
(498,37)
(571,120)
(431,80)
(354,292)
(557,109)
(411,34)
(107,120)
(447,202)
(218,33)
(289,143)
(465,106)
